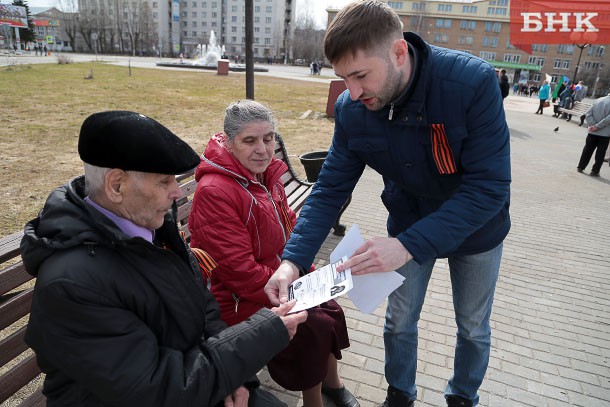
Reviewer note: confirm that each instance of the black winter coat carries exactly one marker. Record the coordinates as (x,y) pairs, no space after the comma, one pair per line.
(120,321)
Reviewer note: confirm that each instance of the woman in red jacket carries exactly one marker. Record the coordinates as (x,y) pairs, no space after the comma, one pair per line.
(241,218)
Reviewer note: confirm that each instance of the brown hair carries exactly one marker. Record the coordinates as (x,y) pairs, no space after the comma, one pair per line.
(363,25)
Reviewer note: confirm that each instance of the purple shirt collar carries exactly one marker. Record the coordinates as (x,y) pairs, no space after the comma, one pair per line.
(127,226)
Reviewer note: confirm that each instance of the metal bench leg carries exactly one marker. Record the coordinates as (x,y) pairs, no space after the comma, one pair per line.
(338,229)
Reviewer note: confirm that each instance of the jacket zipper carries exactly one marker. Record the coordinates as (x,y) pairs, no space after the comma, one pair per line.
(391,111)
(236,299)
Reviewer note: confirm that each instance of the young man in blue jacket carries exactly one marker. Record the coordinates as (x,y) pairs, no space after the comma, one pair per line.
(429,120)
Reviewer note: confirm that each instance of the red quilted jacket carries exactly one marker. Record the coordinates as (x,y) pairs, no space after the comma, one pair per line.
(243,225)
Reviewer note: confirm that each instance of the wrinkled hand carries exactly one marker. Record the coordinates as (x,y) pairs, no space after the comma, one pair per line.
(291,321)
(239,398)
(592,128)
(377,255)
(277,286)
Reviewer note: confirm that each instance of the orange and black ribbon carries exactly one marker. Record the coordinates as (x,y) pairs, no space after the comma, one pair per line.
(205,261)
(443,157)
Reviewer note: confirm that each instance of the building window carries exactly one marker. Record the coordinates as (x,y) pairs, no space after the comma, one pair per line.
(443,23)
(155,14)
(441,38)
(512,58)
(592,65)
(233,29)
(257,29)
(268,20)
(184,34)
(233,39)
(257,9)
(565,64)
(194,24)
(492,27)
(490,42)
(155,4)
(214,24)
(540,47)
(194,34)
(233,19)
(267,30)
(269,9)
(257,20)
(214,4)
(395,4)
(234,9)
(445,7)
(468,25)
(194,14)
(469,9)
(488,56)
(267,41)
(465,40)
(565,49)
(418,6)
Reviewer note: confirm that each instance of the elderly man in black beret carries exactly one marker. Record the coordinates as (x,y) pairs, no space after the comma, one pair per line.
(120,314)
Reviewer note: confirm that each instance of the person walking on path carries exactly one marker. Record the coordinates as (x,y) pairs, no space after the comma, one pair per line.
(598,138)
(120,314)
(446,171)
(543,96)
(240,216)
(504,85)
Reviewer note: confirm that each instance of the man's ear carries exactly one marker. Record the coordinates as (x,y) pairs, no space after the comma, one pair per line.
(114,183)
(400,51)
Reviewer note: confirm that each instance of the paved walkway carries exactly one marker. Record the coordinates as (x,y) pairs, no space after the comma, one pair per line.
(551,317)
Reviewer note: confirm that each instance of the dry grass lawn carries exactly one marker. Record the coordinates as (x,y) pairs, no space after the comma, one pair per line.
(43,107)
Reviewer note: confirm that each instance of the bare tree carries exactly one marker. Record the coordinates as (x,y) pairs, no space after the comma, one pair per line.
(70,18)
(307,43)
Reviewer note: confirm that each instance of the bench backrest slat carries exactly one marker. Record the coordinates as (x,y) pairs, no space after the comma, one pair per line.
(12,277)
(9,246)
(12,346)
(18,376)
(15,308)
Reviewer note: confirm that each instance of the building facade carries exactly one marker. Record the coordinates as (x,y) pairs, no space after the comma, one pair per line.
(50,29)
(481,28)
(183,25)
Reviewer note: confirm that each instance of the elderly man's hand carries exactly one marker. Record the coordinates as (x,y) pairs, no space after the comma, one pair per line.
(291,321)
(239,398)
(277,286)
(377,255)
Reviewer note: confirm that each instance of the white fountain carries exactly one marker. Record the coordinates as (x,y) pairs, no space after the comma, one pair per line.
(210,54)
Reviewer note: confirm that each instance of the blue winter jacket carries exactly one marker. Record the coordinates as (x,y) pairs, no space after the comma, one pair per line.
(443,150)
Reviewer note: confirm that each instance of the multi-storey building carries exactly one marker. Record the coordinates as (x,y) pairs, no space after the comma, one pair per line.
(49,29)
(185,24)
(481,28)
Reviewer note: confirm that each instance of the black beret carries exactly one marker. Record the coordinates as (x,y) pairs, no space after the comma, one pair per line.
(133,142)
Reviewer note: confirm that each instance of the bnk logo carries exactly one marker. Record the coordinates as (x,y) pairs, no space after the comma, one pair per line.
(559,22)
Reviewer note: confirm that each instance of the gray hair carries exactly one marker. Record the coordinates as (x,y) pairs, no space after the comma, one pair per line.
(95,178)
(242,113)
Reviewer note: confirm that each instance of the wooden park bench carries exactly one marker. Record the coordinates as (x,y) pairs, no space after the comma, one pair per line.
(17,362)
(578,109)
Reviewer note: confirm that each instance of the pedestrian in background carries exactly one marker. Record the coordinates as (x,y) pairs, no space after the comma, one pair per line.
(598,138)
(543,96)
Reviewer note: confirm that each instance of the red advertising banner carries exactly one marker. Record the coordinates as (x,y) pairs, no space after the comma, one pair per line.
(559,22)
(15,16)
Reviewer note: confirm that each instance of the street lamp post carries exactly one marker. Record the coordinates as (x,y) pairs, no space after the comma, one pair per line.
(582,47)
(599,68)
